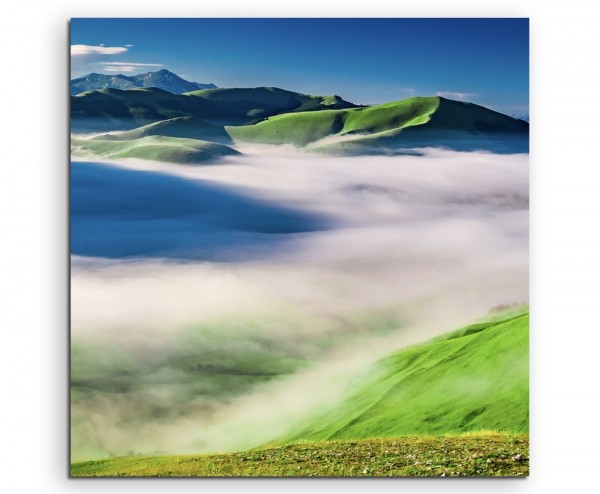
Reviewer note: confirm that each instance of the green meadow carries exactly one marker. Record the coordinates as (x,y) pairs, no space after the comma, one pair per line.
(473,379)
(455,405)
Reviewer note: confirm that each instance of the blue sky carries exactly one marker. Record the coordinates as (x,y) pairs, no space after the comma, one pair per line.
(367,61)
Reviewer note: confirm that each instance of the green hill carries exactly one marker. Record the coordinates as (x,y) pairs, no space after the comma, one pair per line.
(302,129)
(319,123)
(261,102)
(114,109)
(415,122)
(470,380)
(186,127)
(158,148)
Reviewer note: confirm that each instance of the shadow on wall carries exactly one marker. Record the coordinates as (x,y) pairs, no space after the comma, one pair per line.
(119,213)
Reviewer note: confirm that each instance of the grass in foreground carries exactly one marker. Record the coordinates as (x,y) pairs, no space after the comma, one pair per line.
(481,455)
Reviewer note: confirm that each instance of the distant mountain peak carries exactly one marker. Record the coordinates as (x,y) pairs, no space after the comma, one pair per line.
(162,79)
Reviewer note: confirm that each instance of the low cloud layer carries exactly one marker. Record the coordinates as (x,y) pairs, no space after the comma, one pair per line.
(188,354)
(128,67)
(83,50)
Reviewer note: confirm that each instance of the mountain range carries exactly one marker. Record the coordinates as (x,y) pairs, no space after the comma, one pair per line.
(270,115)
(162,79)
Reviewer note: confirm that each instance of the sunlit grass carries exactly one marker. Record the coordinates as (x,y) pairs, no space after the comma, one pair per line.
(482,454)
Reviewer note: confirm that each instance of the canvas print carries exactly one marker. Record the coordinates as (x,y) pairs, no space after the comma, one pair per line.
(299,247)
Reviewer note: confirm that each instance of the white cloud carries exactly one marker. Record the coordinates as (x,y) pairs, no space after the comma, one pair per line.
(127,66)
(131,64)
(456,95)
(85,57)
(120,68)
(82,50)
(136,64)
(88,58)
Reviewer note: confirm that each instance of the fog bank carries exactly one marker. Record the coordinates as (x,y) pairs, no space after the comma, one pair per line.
(332,263)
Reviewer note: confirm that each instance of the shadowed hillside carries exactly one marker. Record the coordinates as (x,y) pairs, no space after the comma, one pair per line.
(114,109)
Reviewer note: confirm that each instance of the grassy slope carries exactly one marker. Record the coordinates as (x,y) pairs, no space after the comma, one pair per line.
(459,125)
(304,128)
(285,117)
(415,122)
(185,127)
(159,148)
(473,379)
(482,455)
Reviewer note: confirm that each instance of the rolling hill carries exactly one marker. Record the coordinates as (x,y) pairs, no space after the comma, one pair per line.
(412,123)
(115,109)
(158,148)
(187,127)
(473,379)
(313,123)
(302,129)
(161,79)
(260,102)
